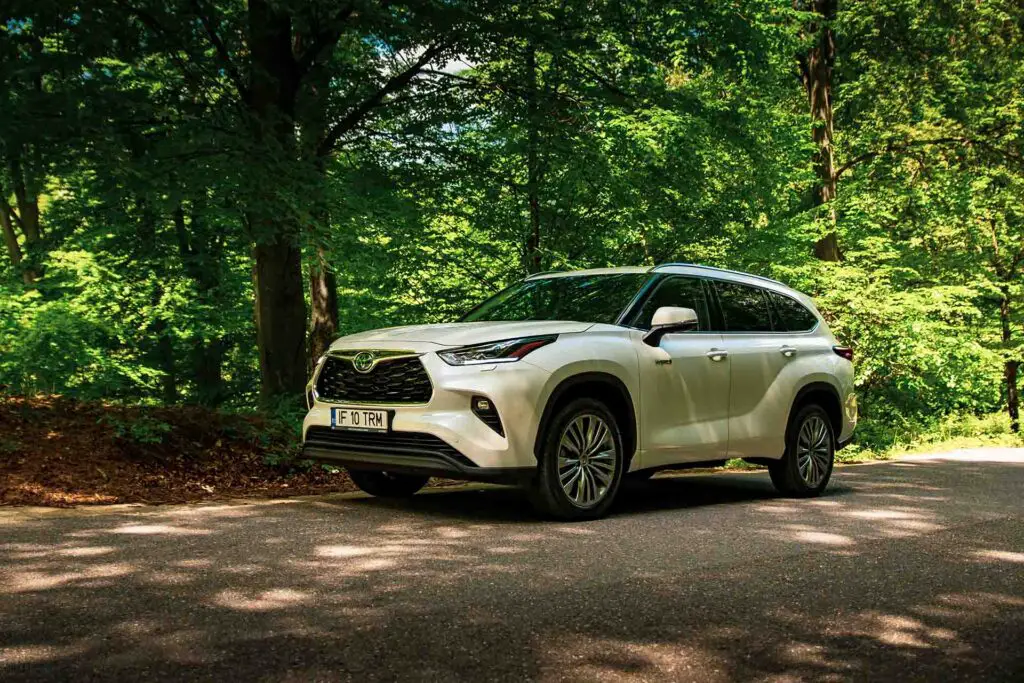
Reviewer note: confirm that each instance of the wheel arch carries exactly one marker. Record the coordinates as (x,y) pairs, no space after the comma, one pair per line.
(603,386)
(821,393)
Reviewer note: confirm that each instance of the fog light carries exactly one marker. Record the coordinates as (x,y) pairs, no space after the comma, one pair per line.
(484,409)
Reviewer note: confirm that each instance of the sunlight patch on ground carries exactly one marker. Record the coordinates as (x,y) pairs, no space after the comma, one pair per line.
(1004,455)
(31,654)
(153,529)
(579,657)
(30,581)
(823,538)
(1001,555)
(903,631)
(278,598)
(87,551)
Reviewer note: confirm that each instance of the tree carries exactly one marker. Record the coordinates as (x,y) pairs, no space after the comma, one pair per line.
(817,65)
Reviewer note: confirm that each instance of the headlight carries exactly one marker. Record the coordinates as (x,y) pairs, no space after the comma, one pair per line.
(505,351)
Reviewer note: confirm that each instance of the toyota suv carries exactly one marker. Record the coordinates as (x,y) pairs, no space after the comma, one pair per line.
(568,383)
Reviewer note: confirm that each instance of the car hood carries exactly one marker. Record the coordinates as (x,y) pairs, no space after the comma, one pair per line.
(460,334)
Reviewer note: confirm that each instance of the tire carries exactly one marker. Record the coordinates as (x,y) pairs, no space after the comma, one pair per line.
(809,429)
(387,484)
(598,476)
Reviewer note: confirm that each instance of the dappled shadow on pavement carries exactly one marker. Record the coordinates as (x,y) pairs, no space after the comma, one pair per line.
(909,570)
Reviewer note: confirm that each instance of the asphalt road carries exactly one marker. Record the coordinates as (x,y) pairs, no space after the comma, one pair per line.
(911,570)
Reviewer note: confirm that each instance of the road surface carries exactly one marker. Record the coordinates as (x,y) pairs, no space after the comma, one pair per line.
(909,570)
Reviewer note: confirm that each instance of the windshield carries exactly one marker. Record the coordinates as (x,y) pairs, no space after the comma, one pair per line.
(582,298)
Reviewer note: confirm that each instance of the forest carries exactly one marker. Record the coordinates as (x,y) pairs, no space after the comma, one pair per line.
(198,196)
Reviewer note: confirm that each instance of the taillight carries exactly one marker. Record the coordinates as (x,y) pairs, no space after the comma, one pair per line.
(844,352)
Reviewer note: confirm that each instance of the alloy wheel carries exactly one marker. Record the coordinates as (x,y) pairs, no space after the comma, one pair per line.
(587,460)
(813,450)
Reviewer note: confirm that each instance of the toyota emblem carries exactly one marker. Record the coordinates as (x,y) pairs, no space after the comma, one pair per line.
(364,361)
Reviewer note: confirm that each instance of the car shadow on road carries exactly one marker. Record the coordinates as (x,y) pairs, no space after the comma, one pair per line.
(662,493)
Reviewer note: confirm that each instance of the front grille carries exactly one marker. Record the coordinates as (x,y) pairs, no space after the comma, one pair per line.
(402,380)
(387,443)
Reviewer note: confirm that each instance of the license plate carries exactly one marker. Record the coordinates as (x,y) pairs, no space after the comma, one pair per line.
(359,418)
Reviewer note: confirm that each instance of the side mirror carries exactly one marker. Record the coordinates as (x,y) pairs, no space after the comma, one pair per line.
(669,319)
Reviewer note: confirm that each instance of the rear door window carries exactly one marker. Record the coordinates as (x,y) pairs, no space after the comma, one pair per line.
(790,315)
(744,308)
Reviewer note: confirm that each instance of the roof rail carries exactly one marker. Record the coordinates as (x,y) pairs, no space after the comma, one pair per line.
(719,270)
(543,272)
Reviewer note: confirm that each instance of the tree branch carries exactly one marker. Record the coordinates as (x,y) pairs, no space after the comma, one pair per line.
(392,85)
(222,51)
(156,27)
(946,140)
(325,38)
(607,83)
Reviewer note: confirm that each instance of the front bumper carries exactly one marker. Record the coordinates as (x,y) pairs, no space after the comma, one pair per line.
(413,453)
(469,448)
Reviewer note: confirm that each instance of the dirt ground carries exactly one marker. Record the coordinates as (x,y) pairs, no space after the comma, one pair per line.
(62,452)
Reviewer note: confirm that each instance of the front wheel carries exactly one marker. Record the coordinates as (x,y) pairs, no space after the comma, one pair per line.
(806,467)
(387,484)
(581,462)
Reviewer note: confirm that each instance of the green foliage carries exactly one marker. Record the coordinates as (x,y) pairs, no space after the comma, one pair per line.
(544,135)
(141,430)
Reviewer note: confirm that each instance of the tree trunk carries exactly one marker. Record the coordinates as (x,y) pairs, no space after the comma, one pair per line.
(323,283)
(27,218)
(533,254)
(816,74)
(323,295)
(165,360)
(207,359)
(11,242)
(1012,398)
(201,258)
(1010,365)
(28,202)
(280,318)
(277,272)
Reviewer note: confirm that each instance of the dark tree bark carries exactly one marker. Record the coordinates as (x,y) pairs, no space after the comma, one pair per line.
(533,172)
(816,69)
(201,255)
(162,349)
(323,284)
(280,317)
(207,361)
(277,272)
(25,217)
(1010,366)
(323,291)
(11,240)
(1006,267)
(165,360)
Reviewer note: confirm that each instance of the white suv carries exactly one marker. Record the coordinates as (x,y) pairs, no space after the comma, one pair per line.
(570,382)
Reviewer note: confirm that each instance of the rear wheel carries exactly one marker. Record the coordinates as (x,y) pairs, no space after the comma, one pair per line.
(806,467)
(387,484)
(581,463)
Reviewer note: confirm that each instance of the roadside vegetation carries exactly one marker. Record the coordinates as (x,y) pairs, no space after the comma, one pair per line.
(196,197)
(59,451)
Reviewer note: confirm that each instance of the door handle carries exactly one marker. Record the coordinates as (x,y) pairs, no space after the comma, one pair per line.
(788,351)
(717,354)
